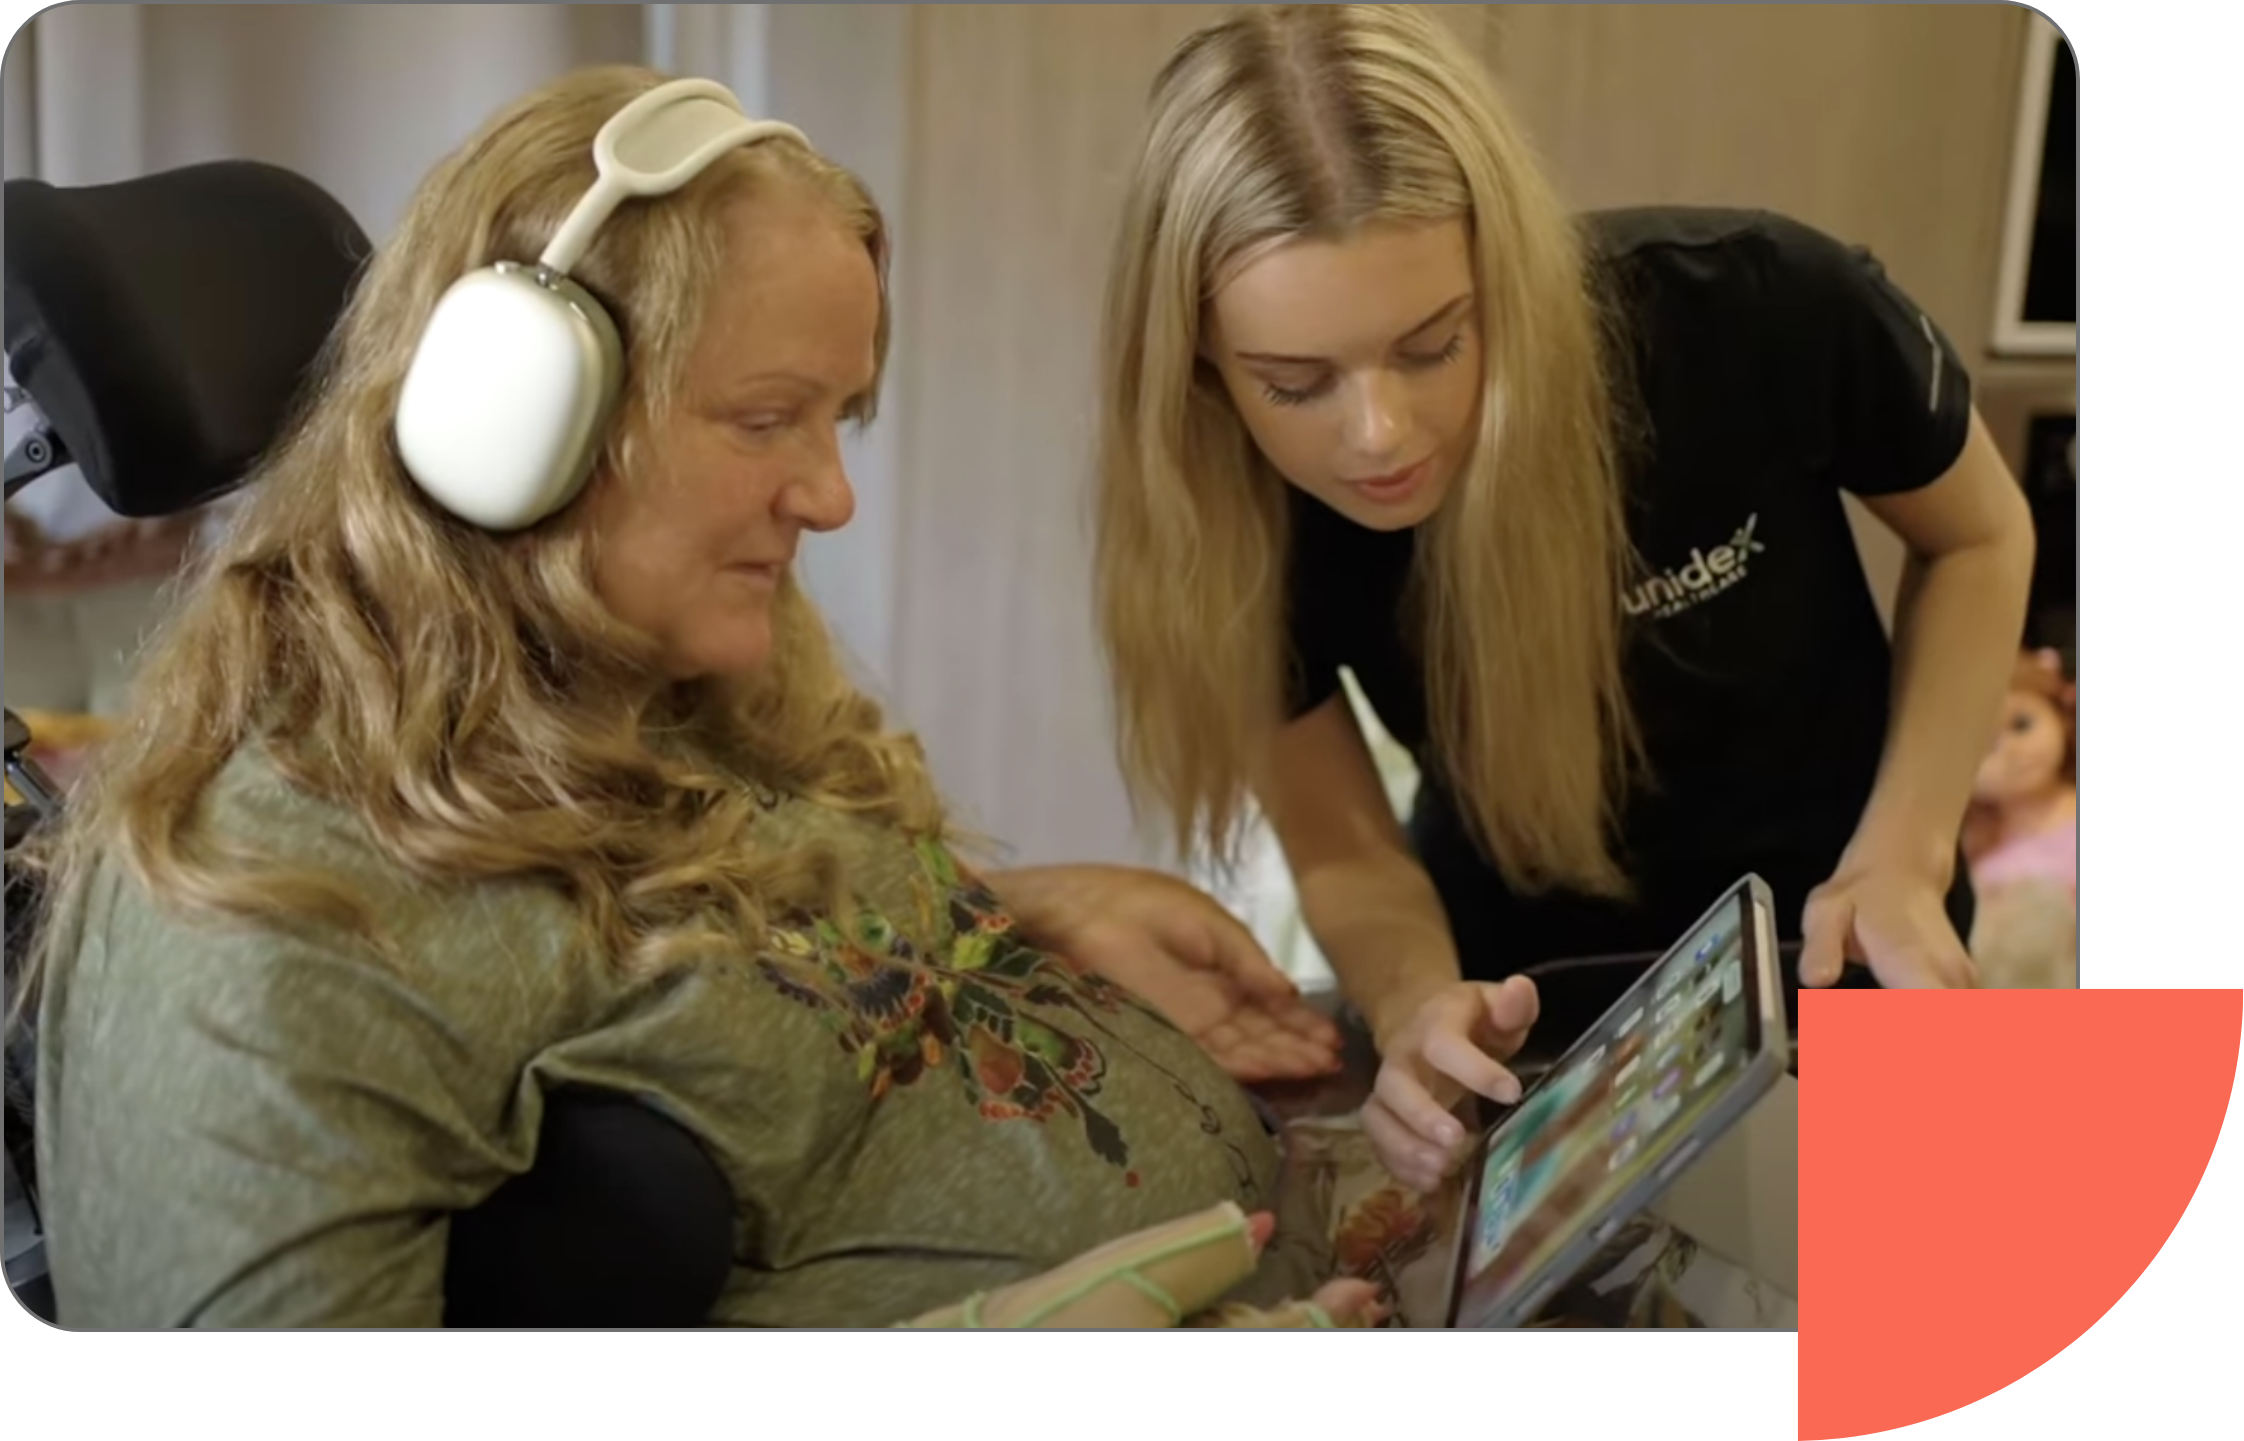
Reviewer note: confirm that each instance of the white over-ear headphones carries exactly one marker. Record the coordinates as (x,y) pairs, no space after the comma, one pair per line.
(513,384)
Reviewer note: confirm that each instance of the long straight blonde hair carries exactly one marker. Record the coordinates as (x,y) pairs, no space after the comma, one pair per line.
(1297,121)
(466,695)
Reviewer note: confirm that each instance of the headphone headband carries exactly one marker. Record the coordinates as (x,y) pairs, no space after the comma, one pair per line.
(653,146)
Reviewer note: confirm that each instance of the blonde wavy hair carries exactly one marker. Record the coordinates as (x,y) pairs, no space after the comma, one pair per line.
(1312,121)
(466,695)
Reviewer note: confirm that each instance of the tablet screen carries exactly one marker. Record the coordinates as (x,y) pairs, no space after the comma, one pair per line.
(1603,1117)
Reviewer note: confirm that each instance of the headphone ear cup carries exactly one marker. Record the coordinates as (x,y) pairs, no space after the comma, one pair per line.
(509,396)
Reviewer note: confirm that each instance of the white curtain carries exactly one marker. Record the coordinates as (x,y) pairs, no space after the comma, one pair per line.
(726,43)
(361,98)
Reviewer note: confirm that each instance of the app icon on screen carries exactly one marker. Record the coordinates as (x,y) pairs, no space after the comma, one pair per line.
(1496,1209)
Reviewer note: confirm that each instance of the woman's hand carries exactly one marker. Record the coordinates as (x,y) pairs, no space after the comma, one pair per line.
(1891,919)
(1174,1274)
(1347,1302)
(1449,1042)
(1341,1304)
(1185,955)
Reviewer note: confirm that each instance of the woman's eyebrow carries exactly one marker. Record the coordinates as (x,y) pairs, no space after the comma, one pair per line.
(1412,334)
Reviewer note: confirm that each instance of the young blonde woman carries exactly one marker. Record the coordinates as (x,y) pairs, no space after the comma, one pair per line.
(415,821)
(1564,494)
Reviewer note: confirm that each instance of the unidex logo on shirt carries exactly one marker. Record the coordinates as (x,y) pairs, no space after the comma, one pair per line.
(1706,575)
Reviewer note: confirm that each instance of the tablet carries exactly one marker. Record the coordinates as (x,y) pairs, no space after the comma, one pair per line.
(1687,1051)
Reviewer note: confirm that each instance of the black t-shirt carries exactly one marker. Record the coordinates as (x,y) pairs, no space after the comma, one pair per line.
(1774,368)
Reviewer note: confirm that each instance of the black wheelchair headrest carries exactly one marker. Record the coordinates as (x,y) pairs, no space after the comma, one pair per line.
(165,325)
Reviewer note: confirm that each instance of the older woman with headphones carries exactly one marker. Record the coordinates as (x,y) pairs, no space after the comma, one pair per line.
(497,750)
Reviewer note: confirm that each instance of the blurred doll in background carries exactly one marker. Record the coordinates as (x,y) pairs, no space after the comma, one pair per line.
(2022,835)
